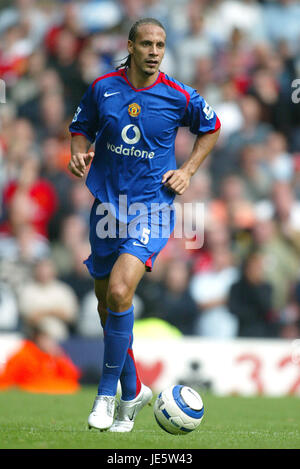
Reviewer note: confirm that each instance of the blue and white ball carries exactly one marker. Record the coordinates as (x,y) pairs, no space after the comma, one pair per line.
(178,410)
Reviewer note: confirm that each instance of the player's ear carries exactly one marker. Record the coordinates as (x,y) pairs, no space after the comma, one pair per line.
(130,46)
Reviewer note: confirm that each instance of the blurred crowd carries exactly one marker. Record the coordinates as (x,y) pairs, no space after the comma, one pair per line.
(244,58)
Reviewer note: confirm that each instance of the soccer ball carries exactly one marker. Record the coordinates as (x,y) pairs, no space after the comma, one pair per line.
(178,410)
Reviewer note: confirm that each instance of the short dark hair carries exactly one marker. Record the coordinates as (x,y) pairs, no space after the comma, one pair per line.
(133,32)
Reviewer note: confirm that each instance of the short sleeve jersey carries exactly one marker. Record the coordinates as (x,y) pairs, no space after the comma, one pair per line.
(134,132)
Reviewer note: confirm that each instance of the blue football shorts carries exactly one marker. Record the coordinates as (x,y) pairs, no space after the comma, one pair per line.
(143,237)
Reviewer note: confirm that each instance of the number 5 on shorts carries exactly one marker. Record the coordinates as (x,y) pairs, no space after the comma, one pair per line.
(145,236)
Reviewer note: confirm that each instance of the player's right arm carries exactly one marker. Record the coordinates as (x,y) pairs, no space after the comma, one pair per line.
(83,129)
(80,156)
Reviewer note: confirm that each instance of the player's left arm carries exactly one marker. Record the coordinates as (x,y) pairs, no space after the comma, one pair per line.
(178,180)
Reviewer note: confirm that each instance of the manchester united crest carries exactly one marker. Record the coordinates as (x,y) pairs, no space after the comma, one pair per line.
(134,109)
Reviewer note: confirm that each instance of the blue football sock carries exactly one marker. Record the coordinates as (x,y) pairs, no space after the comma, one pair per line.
(117,336)
(130,381)
(129,378)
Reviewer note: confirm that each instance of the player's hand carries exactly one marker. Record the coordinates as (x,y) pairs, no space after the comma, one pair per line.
(79,163)
(177,180)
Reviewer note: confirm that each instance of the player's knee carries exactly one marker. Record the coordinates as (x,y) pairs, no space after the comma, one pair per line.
(118,296)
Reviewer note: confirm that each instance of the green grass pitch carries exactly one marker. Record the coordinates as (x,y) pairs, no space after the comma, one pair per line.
(37,421)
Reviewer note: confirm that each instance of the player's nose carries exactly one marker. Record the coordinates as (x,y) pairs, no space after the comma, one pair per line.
(154,50)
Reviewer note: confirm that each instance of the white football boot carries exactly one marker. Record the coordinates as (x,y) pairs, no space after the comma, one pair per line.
(102,415)
(128,410)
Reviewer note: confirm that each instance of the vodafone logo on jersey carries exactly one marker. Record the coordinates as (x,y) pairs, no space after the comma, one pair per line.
(131,135)
(135,130)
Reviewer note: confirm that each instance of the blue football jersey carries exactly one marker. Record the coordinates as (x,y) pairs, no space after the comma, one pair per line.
(134,132)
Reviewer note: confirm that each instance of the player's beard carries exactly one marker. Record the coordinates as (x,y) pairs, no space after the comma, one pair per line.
(151,71)
(143,67)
